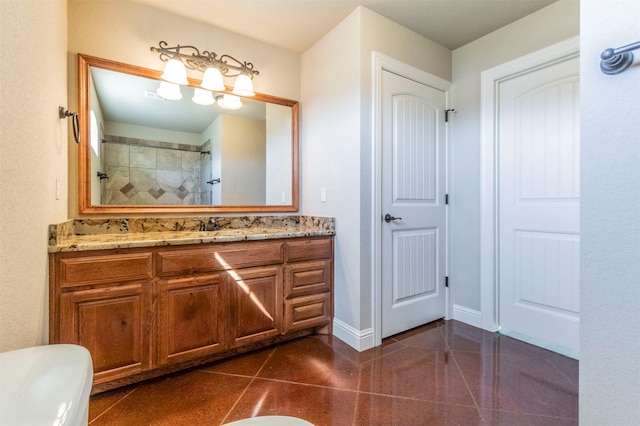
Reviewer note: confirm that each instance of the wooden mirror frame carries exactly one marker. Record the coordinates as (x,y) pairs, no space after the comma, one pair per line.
(85,63)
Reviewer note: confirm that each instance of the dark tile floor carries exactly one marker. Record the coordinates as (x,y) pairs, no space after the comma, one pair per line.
(443,373)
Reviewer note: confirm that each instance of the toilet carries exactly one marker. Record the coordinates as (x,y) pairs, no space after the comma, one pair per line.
(45,385)
(270,421)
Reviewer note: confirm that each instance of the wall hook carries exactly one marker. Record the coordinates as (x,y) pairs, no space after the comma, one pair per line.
(64,113)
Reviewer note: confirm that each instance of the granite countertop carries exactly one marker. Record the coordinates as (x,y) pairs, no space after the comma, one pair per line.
(100,234)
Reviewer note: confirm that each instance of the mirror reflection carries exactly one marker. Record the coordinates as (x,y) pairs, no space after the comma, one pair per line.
(150,146)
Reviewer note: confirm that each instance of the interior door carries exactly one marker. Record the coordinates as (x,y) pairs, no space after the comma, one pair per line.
(413,192)
(539,205)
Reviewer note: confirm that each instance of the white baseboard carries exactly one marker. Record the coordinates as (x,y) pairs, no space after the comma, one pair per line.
(361,340)
(467,316)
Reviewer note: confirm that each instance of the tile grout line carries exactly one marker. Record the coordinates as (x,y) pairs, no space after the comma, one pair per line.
(577,385)
(114,404)
(253,379)
(464,379)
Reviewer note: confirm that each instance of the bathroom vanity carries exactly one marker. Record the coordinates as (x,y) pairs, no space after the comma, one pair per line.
(151,296)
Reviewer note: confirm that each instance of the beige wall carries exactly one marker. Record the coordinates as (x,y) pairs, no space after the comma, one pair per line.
(124,32)
(33,154)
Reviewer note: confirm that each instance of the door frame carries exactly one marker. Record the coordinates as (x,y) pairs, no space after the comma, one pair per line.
(382,63)
(489,174)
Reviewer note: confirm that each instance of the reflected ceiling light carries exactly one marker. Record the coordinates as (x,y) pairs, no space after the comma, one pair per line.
(214,67)
(227,101)
(169,91)
(203,97)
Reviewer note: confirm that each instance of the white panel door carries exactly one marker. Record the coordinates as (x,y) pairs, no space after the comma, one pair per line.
(539,205)
(413,185)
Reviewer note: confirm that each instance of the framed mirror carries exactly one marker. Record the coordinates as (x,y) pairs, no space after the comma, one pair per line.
(142,152)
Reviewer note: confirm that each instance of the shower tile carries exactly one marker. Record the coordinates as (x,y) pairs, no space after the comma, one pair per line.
(181,192)
(142,179)
(142,199)
(169,199)
(190,160)
(115,197)
(169,159)
(144,157)
(188,182)
(169,180)
(116,154)
(156,192)
(118,177)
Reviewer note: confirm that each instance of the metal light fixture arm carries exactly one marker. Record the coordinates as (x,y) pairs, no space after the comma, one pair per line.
(193,59)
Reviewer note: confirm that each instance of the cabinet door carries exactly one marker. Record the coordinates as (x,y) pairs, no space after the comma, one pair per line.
(112,324)
(256,304)
(191,318)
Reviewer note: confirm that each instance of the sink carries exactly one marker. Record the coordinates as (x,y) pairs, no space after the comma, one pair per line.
(45,385)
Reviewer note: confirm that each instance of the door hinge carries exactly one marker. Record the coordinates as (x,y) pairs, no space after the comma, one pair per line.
(446,281)
(446,198)
(446,114)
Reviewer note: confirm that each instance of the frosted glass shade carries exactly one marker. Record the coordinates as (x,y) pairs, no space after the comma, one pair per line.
(175,72)
(203,97)
(212,80)
(243,86)
(229,102)
(169,91)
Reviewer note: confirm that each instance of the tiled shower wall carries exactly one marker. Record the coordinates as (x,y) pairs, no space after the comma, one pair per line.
(144,172)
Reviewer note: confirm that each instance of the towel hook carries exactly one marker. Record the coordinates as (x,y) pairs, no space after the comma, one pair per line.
(615,61)
(64,113)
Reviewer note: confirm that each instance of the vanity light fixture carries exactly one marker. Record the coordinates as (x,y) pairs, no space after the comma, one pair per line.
(227,101)
(203,97)
(169,91)
(214,67)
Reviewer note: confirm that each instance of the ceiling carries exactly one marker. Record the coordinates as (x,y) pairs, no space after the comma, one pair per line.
(296,25)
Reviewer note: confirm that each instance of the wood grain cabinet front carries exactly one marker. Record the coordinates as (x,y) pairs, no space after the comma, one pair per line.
(192,313)
(145,312)
(113,324)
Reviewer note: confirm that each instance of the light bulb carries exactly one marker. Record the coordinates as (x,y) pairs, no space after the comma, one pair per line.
(175,72)
(203,97)
(243,86)
(229,101)
(212,80)
(169,91)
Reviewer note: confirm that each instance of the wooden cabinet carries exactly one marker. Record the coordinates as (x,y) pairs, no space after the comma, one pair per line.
(144,312)
(308,285)
(113,324)
(191,318)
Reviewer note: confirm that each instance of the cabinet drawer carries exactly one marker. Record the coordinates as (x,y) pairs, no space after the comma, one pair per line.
(320,248)
(307,278)
(113,268)
(218,258)
(307,311)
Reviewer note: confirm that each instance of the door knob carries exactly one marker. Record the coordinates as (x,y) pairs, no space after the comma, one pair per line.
(388,218)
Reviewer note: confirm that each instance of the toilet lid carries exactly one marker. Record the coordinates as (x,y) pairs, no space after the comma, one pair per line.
(271,421)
